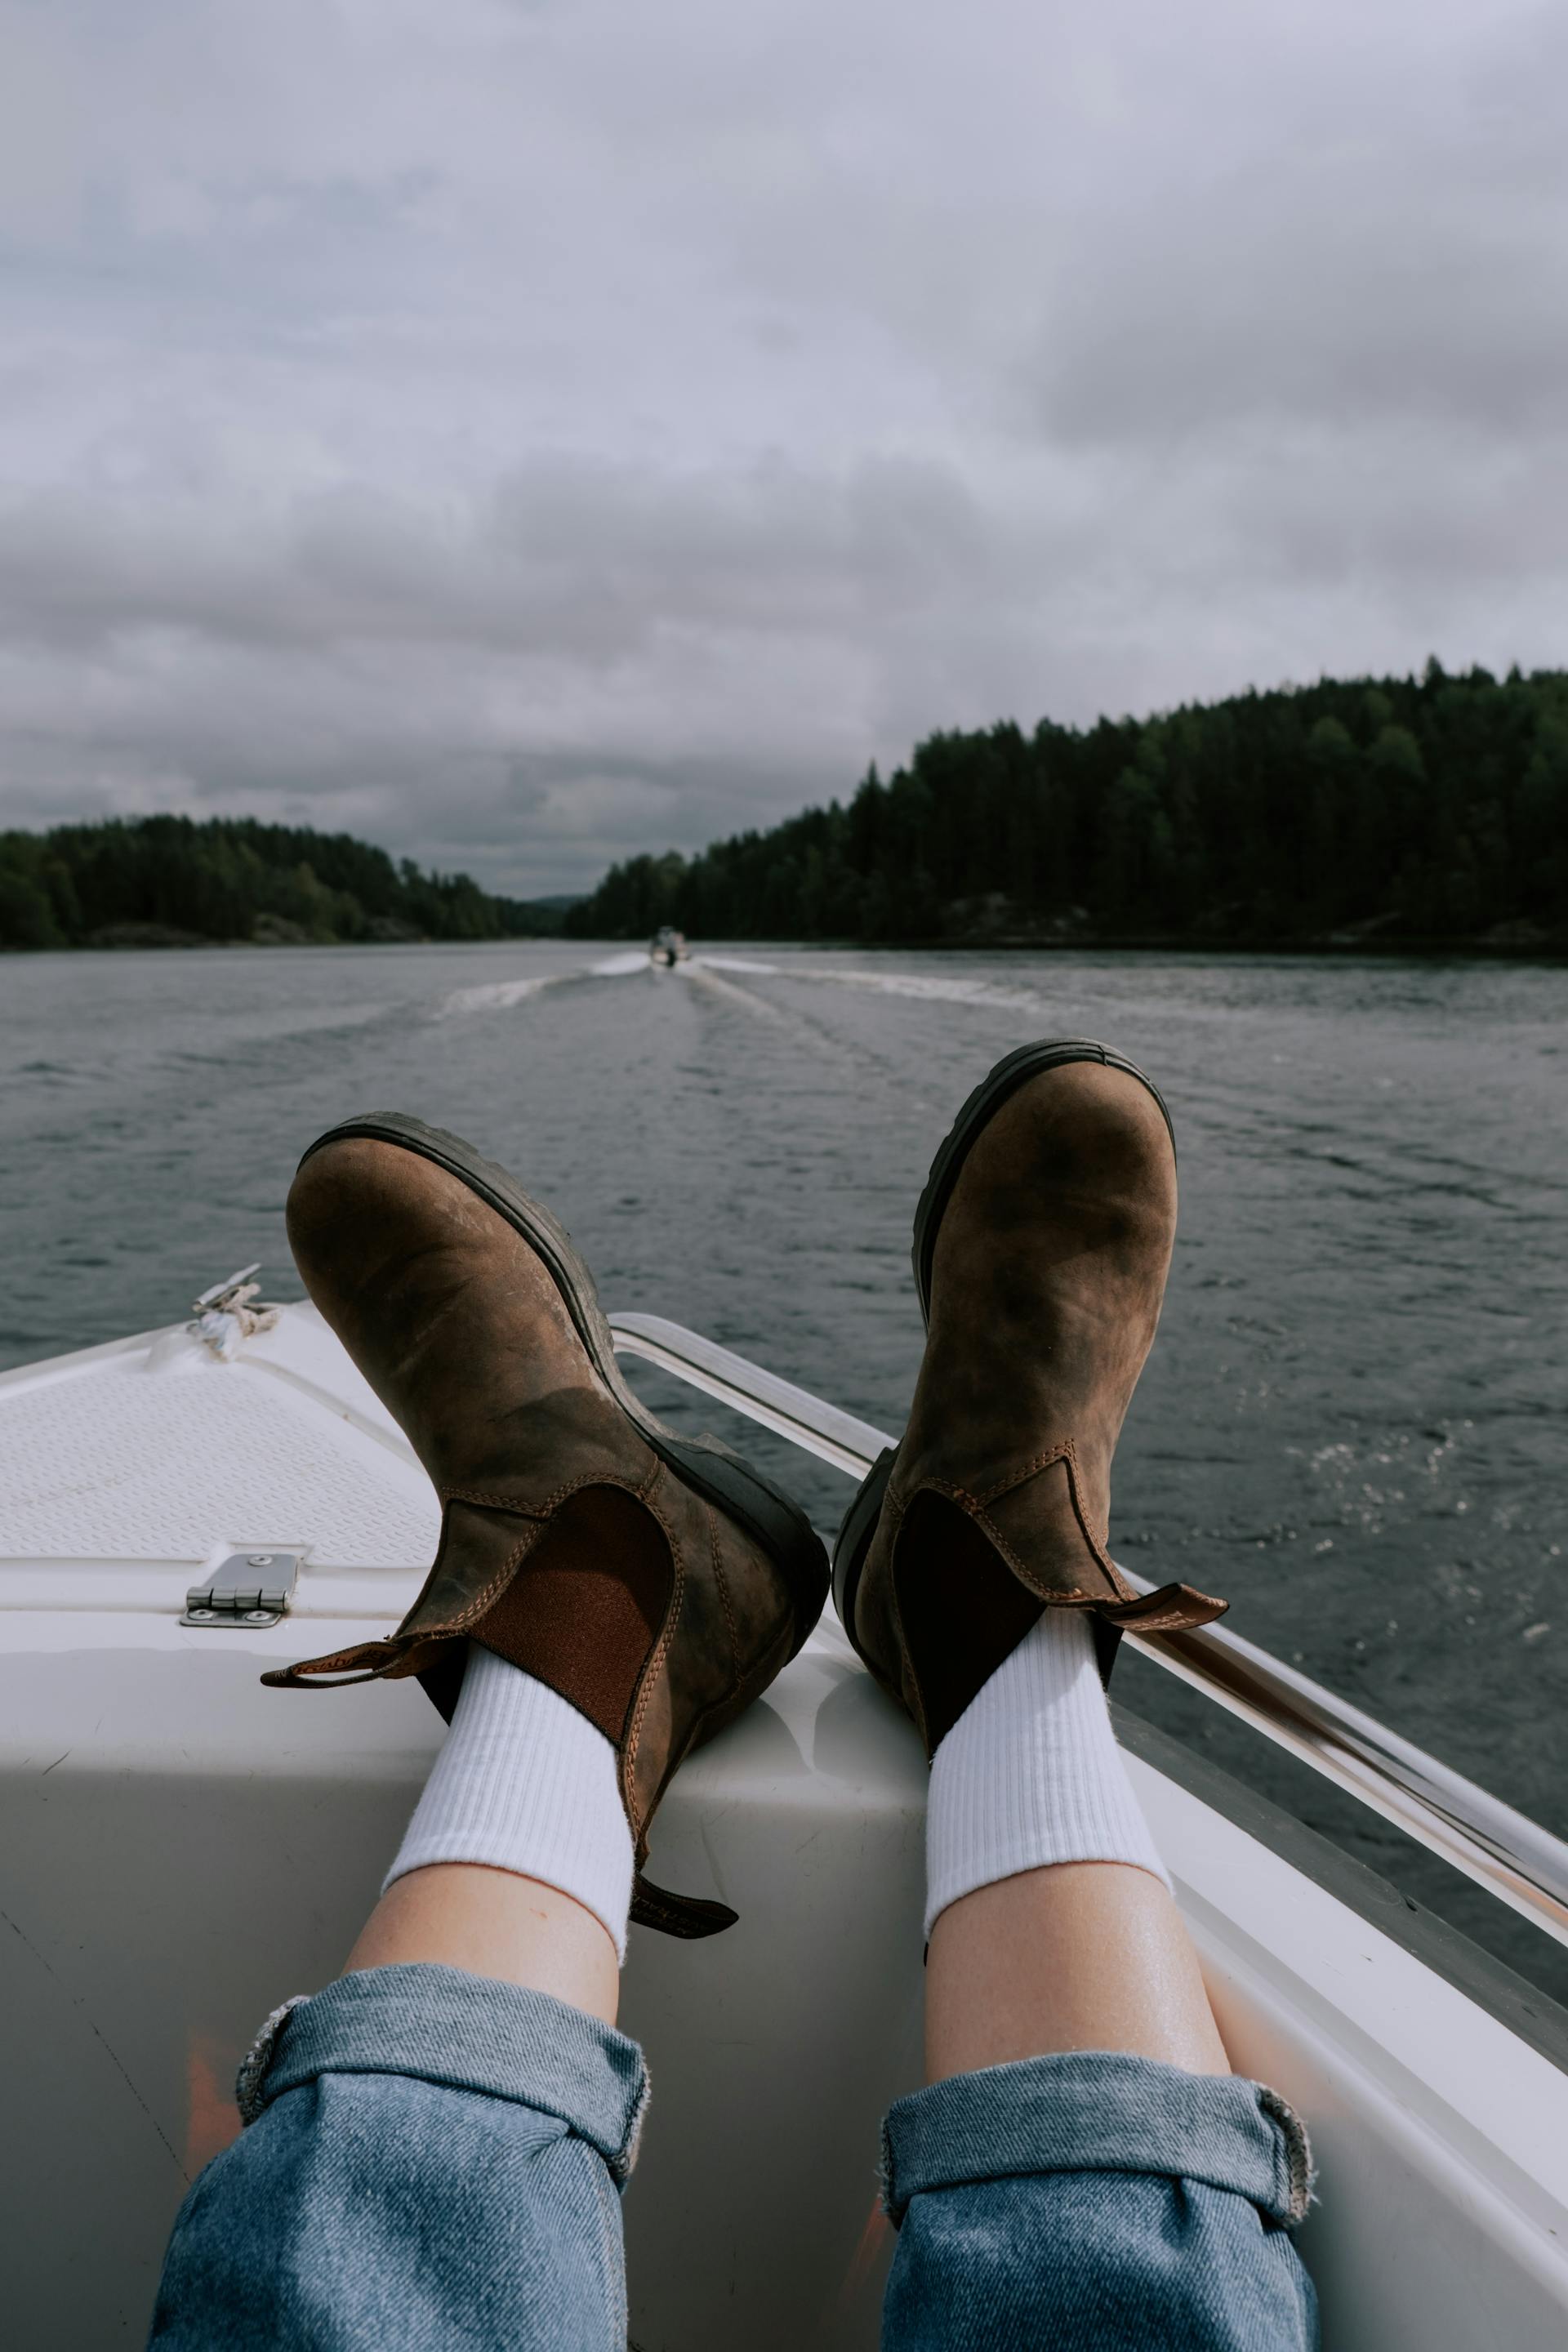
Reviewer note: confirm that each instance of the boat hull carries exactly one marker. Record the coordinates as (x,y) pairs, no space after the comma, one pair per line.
(185,1849)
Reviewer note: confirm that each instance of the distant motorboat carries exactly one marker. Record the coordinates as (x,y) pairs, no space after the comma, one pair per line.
(668,946)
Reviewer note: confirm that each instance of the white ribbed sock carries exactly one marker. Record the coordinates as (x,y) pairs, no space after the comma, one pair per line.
(1031,1772)
(525,1783)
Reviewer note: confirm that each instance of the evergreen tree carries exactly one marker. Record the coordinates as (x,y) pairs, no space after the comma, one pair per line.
(234,879)
(1431,808)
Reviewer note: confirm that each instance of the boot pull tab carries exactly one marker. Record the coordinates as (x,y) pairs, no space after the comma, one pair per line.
(297,1678)
(1173,1609)
(373,1659)
(689,1916)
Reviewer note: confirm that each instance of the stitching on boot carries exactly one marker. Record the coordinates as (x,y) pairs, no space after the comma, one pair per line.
(1112,1574)
(487,1502)
(1056,1594)
(1118,1584)
(336,1662)
(650,1672)
(1066,1455)
(1011,1478)
(443,1497)
(723,1583)
(537,1522)
(909,1681)
(1020,1567)
(950,1488)
(492,1591)
(551,1502)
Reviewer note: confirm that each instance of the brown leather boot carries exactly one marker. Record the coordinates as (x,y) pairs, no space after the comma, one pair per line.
(658,1583)
(1042,1242)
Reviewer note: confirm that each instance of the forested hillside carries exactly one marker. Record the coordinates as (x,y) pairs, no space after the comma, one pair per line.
(1431,809)
(1423,809)
(164,880)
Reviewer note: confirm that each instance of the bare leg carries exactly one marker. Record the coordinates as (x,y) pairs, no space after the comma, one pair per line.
(516,1865)
(1082,2168)
(1079,1955)
(494,1923)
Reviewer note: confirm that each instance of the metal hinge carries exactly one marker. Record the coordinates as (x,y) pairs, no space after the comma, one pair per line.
(251,1588)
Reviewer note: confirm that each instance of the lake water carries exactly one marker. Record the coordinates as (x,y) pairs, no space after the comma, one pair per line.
(1353,1421)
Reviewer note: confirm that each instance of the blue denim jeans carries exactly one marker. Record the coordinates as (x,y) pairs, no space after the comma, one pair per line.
(434,2160)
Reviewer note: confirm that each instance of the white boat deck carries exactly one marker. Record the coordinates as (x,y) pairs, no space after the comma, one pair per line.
(183,1849)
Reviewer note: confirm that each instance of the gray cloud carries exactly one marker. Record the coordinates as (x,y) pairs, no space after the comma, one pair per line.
(529,434)
(1392,253)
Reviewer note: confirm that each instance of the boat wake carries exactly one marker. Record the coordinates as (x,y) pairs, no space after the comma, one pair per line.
(497,996)
(700,973)
(933,987)
(500,996)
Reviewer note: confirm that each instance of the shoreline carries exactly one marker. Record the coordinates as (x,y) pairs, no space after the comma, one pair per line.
(1547,949)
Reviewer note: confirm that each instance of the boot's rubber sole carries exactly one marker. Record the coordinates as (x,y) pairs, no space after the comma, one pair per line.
(1014,1070)
(724,1477)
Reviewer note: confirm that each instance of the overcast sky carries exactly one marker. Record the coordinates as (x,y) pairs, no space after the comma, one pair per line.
(526,431)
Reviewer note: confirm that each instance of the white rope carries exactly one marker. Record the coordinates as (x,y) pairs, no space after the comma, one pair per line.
(228,1314)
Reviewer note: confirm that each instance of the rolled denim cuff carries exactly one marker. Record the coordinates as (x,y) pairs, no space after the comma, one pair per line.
(466,2032)
(1097,2111)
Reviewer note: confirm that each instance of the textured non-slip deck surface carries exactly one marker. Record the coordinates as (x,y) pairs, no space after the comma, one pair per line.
(114,1462)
